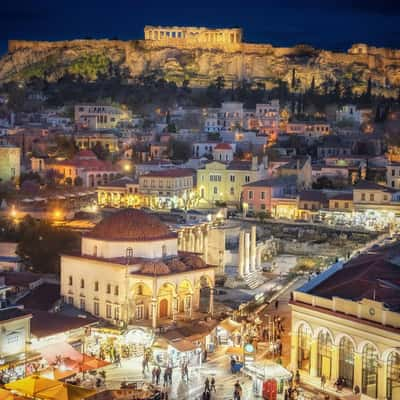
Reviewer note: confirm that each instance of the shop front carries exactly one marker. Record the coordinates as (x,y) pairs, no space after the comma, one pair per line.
(269,379)
(109,343)
(175,353)
(228,333)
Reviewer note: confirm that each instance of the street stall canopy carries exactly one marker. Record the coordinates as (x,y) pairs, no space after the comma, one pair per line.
(57,373)
(89,363)
(64,350)
(269,370)
(230,326)
(32,385)
(65,391)
(234,351)
(6,395)
(183,345)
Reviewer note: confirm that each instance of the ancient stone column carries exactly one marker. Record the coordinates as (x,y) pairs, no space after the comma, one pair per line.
(211,310)
(205,246)
(253,245)
(241,254)
(174,307)
(246,253)
(154,313)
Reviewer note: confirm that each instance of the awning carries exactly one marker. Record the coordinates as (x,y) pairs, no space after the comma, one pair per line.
(183,345)
(64,350)
(230,325)
(234,351)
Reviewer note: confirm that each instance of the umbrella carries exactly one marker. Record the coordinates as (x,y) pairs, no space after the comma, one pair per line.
(89,363)
(65,391)
(6,395)
(57,373)
(32,385)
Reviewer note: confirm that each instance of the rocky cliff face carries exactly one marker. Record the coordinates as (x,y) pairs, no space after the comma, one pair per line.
(200,66)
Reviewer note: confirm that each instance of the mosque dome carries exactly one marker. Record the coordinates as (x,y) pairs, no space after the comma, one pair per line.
(131,225)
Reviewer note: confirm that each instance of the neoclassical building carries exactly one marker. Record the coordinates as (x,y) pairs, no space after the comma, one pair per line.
(346,323)
(129,271)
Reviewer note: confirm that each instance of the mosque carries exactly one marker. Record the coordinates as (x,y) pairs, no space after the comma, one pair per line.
(129,271)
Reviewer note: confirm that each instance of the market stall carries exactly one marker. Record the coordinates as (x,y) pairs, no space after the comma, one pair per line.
(229,332)
(269,378)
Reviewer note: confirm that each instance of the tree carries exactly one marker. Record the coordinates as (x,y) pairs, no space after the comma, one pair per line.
(52,178)
(179,150)
(220,83)
(293,78)
(101,152)
(68,181)
(66,147)
(312,87)
(78,181)
(40,244)
(368,94)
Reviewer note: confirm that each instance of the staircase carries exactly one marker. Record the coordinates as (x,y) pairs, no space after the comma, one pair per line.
(254,279)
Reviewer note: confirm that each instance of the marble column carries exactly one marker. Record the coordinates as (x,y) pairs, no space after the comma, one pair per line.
(211,310)
(154,313)
(357,369)
(253,245)
(294,351)
(314,357)
(335,363)
(205,247)
(246,253)
(241,253)
(174,307)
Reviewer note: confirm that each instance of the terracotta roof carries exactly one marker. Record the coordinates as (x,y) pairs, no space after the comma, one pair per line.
(46,324)
(131,225)
(12,313)
(342,196)
(171,173)
(121,182)
(239,165)
(223,146)
(371,276)
(42,297)
(271,182)
(368,185)
(312,195)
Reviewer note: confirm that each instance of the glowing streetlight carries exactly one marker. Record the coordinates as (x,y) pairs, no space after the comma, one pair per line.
(127,167)
(57,214)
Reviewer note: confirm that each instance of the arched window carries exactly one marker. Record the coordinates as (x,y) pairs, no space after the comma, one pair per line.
(82,284)
(70,280)
(346,361)
(370,371)
(139,290)
(324,360)
(164,250)
(393,376)
(304,338)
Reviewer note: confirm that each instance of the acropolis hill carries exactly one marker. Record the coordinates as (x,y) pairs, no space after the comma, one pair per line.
(199,55)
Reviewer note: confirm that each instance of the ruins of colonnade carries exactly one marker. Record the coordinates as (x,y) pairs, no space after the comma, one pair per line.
(193,35)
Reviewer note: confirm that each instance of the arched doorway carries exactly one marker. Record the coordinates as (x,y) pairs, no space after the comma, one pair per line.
(393,376)
(185,292)
(370,371)
(163,308)
(304,338)
(324,359)
(346,361)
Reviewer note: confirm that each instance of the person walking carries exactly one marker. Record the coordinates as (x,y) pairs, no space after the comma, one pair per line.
(213,385)
(237,391)
(186,371)
(323,381)
(158,374)
(207,385)
(166,377)
(153,375)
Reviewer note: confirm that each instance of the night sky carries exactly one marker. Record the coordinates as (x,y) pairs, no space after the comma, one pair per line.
(324,23)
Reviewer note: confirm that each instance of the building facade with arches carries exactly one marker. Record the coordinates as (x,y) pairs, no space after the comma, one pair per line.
(347,324)
(129,272)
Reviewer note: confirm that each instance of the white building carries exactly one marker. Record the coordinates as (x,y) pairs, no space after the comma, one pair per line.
(129,271)
(97,116)
(223,152)
(349,113)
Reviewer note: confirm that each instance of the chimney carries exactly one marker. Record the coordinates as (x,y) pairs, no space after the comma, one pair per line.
(265,162)
(254,163)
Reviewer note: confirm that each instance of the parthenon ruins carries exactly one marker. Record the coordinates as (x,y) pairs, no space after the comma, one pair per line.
(193,35)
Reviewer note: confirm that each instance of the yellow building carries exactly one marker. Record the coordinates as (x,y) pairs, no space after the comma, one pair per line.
(89,140)
(10,160)
(223,182)
(346,323)
(120,193)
